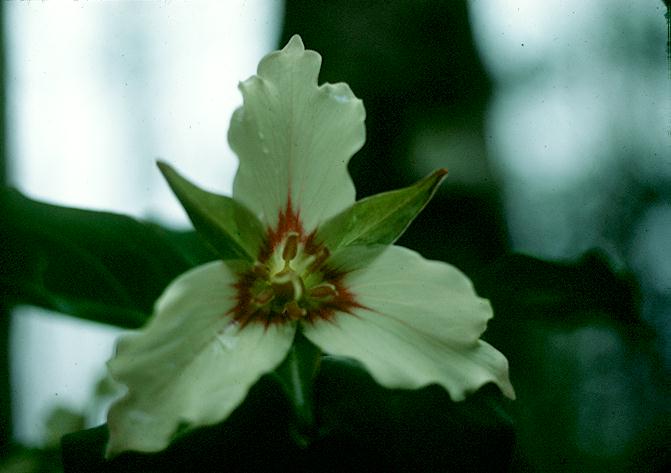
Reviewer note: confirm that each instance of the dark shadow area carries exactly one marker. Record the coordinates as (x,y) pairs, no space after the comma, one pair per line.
(362,427)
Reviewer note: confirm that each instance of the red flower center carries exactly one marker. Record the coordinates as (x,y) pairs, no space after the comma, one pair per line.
(291,279)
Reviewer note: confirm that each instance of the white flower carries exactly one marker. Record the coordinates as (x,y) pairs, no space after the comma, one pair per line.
(298,254)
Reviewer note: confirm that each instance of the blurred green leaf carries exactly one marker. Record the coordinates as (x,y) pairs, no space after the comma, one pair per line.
(62,420)
(532,288)
(592,385)
(100,266)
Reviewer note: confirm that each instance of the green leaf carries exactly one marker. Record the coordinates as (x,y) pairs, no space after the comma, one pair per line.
(419,323)
(295,138)
(99,266)
(232,230)
(192,364)
(382,218)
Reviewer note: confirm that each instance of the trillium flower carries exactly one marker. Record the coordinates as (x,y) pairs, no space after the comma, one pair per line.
(298,256)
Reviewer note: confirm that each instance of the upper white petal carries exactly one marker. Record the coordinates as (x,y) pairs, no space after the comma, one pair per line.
(294,139)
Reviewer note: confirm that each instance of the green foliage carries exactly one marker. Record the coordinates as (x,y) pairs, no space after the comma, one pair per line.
(99,266)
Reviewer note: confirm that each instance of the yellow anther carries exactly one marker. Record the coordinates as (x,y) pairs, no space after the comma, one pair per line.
(284,290)
(293,311)
(290,247)
(323,291)
(284,275)
(288,287)
(320,258)
(299,288)
(260,270)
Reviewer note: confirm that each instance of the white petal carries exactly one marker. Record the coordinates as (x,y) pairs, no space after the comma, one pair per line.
(421,325)
(191,365)
(294,139)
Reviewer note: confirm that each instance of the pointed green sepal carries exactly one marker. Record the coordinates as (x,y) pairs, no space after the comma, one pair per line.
(225,224)
(382,218)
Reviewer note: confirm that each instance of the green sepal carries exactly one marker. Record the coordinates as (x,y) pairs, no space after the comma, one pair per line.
(228,226)
(382,218)
(296,375)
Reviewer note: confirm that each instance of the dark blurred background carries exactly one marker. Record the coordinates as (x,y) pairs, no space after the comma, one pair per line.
(553,119)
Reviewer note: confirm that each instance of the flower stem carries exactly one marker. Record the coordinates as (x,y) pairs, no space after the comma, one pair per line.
(296,375)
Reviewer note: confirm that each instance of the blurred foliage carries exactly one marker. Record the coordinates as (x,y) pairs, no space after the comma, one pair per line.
(31,460)
(99,266)
(593,394)
(47,459)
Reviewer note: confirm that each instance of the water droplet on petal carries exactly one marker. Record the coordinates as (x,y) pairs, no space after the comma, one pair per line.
(227,338)
(227,343)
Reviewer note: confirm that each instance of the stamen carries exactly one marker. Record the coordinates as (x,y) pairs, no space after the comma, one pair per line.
(293,311)
(284,275)
(285,290)
(290,247)
(299,288)
(264,297)
(260,270)
(323,291)
(320,259)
